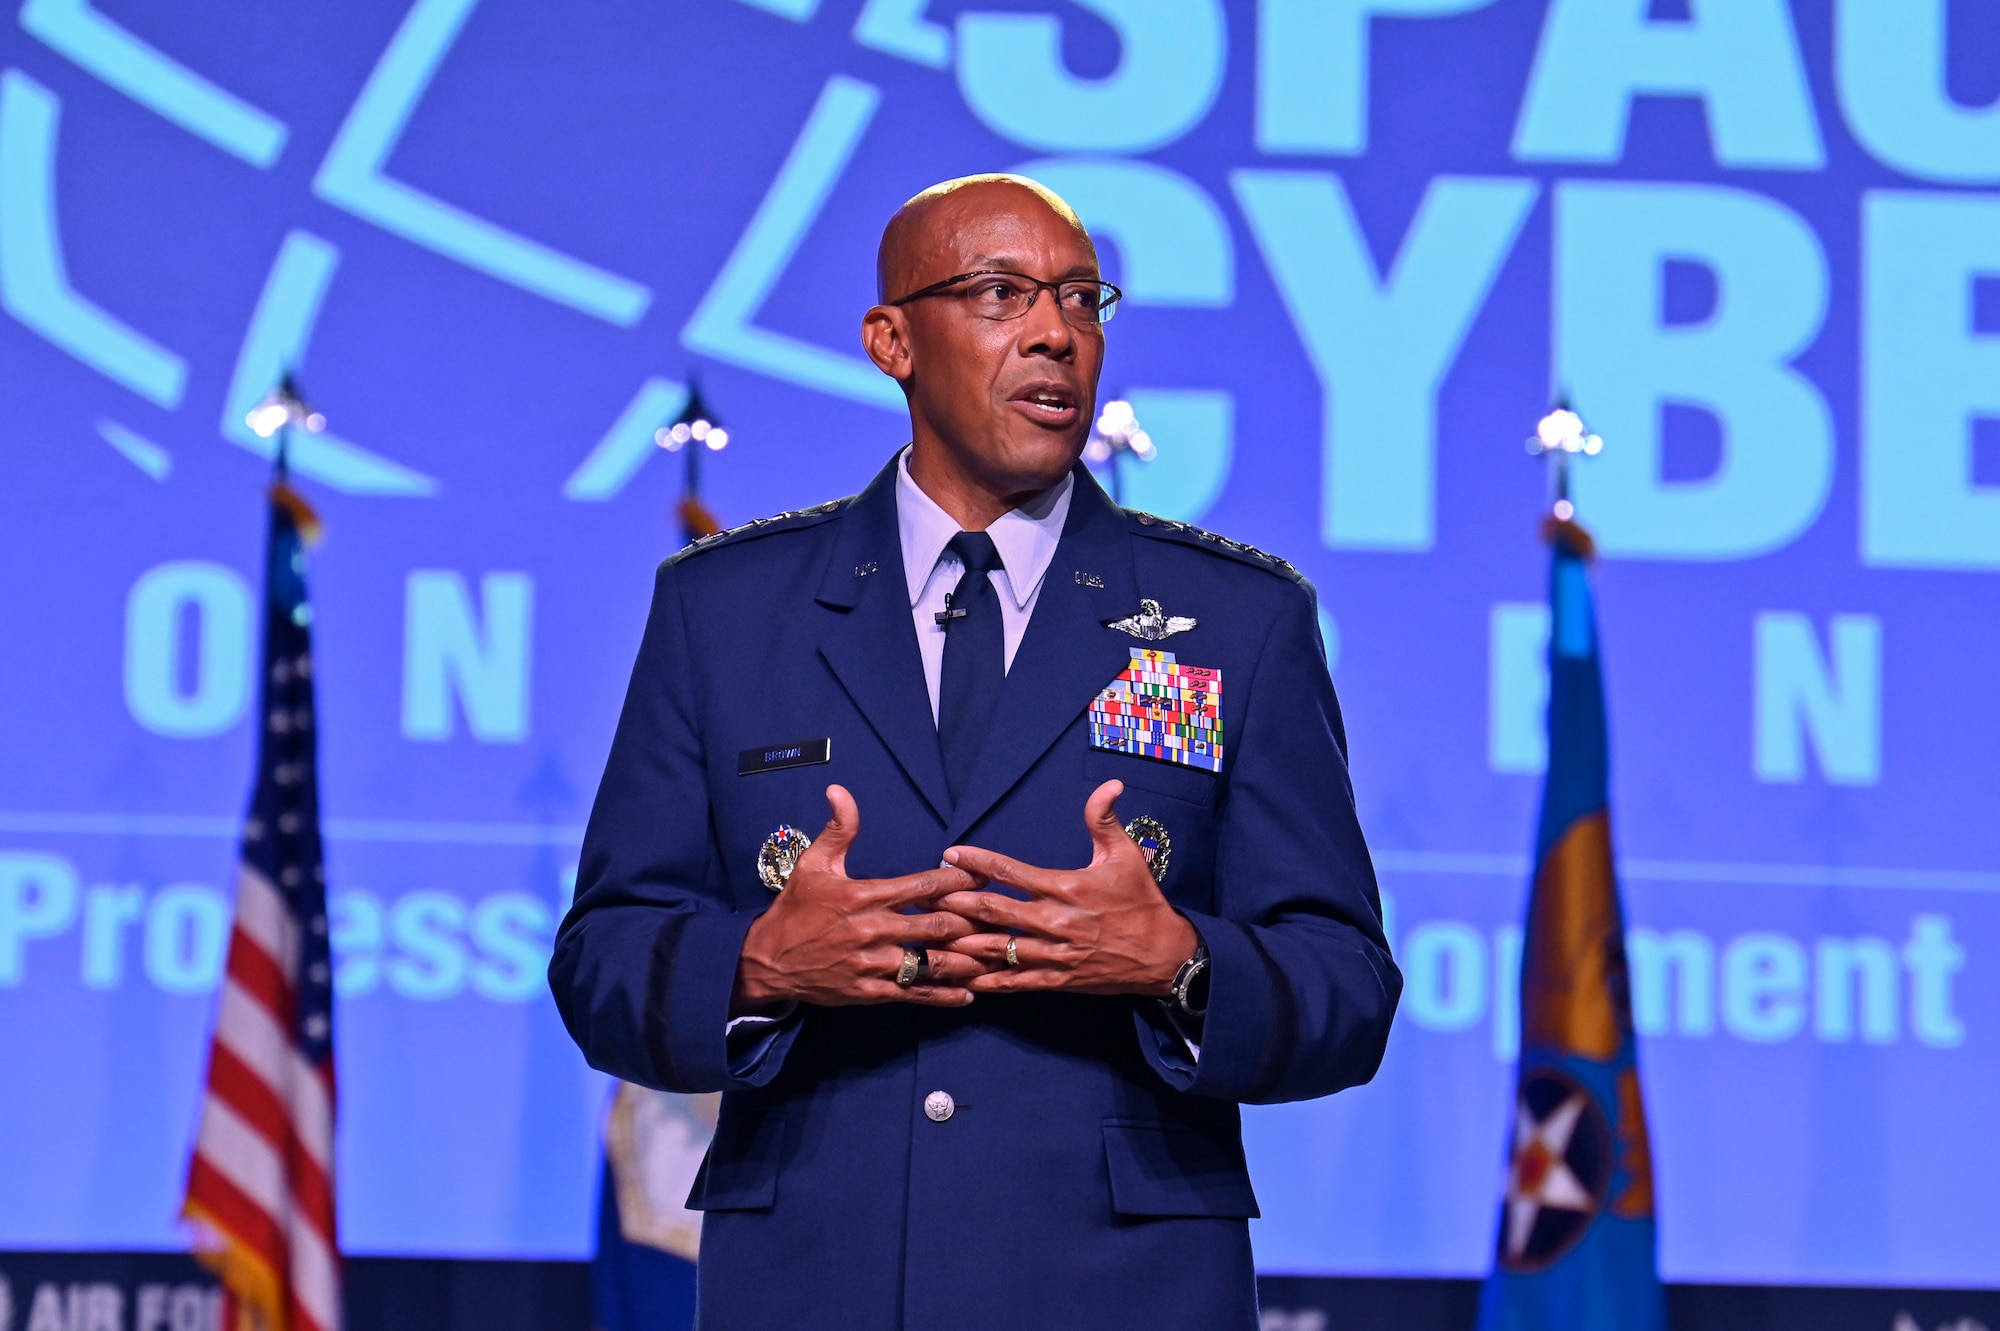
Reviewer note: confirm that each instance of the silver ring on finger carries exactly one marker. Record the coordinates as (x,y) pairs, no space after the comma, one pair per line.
(916,967)
(1013,955)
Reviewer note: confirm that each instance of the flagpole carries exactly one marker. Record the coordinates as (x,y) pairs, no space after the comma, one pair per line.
(694,432)
(1575,1248)
(270,1234)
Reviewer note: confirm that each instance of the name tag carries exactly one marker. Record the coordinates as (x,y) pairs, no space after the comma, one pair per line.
(775,757)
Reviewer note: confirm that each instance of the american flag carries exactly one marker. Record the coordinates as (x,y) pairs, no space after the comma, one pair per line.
(260,1185)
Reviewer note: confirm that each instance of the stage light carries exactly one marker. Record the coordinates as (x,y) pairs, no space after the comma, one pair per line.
(694,426)
(1563,430)
(1115,435)
(266,419)
(1562,436)
(281,408)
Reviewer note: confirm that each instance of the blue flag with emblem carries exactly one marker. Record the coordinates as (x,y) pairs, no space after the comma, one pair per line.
(643,1278)
(1576,1244)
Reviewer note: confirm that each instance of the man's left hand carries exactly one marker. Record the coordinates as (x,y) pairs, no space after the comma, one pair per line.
(1103,929)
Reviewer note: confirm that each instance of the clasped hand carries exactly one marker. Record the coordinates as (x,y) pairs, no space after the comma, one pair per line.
(833,940)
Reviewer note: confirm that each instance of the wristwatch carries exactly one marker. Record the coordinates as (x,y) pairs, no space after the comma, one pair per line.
(1191,984)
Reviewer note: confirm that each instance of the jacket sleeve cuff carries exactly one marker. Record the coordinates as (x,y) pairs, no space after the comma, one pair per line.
(1175,1057)
(1236,1027)
(750,1040)
(694,975)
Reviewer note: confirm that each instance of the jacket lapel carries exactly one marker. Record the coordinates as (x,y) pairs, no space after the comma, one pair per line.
(1066,656)
(870,643)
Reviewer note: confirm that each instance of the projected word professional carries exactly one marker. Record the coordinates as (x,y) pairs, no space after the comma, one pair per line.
(1092,877)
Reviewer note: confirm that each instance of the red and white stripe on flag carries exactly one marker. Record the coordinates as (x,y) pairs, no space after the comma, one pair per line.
(260,1187)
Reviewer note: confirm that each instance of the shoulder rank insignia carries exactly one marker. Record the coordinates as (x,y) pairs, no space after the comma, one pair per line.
(1150,625)
(713,539)
(1190,534)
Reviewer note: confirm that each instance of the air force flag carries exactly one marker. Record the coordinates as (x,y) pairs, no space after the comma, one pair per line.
(1576,1244)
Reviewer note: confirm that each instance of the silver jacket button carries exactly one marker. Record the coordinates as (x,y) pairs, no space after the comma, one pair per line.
(938,1106)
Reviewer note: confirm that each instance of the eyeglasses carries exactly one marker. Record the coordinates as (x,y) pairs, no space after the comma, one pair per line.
(996,294)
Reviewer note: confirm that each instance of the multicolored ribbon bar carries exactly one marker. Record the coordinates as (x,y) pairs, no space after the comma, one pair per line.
(1160,709)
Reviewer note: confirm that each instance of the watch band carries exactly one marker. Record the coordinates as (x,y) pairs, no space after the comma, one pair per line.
(1190,987)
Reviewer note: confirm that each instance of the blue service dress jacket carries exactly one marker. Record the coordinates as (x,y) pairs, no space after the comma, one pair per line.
(1092,1171)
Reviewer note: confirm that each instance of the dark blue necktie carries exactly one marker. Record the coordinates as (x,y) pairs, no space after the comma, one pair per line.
(974,659)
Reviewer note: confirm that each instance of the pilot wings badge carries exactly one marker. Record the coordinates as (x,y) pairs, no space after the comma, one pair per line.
(1150,625)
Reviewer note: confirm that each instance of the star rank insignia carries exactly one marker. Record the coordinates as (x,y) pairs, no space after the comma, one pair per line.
(1150,624)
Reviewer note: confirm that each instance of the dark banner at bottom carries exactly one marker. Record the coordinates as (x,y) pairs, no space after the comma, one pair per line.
(1318,1303)
(149,1291)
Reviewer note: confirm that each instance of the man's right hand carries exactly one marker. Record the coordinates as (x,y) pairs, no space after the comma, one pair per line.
(837,941)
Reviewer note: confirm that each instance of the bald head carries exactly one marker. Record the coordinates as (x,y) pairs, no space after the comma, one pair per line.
(1000,402)
(919,236)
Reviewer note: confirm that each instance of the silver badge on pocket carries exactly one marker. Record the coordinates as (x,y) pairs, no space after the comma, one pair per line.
(779,855)
(1150,835)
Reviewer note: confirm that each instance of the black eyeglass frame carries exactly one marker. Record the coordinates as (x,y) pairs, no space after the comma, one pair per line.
(1109,307)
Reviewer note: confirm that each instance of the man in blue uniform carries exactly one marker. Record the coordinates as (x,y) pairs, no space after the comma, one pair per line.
(1092,876)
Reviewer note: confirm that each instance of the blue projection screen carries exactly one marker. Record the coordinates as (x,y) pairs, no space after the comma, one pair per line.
(1366,243)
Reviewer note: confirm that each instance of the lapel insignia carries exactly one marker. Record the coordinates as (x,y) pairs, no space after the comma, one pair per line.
(1089,580)
(1160,709)
(1150,625)
(863,570)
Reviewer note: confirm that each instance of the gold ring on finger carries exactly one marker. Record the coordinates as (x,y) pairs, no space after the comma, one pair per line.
(1013,956)
(916,965)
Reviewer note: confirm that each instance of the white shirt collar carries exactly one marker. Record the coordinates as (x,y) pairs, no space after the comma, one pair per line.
(1026,537)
